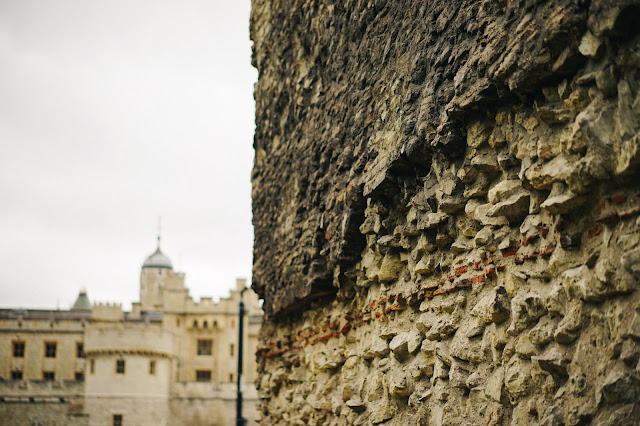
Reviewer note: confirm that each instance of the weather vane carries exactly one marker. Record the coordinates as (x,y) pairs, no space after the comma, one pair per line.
(159,230)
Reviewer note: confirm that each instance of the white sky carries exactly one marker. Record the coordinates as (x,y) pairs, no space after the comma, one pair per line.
(113,113)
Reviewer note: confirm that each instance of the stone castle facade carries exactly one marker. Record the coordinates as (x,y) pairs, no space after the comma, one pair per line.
(170,361)
(446,204)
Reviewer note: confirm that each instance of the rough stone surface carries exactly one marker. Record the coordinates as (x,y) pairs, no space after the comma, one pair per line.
(446,209)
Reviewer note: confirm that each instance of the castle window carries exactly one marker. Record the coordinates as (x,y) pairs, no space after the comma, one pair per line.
(120,366)
(203,375)
(195,324)
(215,324)
(79,376)
(152,367)
(204,346)
(205,325)
(231,377)
(18,349)
(231,350)
(16,375)
(50,349)
(48,375)
(79,350)
(117,420)
(92,366)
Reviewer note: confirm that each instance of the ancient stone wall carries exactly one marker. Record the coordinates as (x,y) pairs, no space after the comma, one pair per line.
(55,403)
(447,211)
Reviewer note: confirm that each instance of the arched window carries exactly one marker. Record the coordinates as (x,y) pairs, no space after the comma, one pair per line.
(215,324)
(195,323)
(204,324)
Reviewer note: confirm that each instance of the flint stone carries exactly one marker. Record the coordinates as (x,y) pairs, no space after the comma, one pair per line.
(570,324)
(458,376)
(561,202)
(618,387)
(525,310)
(390,268)
(504,189)
(486,161)
(556,170)
(554,362)
(517,378)
(590,46)
(514,208)
(543,332)
(405,343)
(379,348)
(493,307)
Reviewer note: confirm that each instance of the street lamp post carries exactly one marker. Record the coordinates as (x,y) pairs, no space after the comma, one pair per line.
(240,421)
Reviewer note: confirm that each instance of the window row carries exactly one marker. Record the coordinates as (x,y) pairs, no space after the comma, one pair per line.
(46,375)
(203,324)
(120,367)
(205,347)
(205,376)
(50,349)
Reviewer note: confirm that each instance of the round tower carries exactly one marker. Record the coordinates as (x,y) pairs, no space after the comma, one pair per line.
(153,279)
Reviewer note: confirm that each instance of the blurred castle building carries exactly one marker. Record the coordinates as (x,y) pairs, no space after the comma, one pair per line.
(170,361)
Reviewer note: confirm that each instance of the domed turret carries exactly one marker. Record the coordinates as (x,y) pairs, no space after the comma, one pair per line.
(82,302)
(158,260)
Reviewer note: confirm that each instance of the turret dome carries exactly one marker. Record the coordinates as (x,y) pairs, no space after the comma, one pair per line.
(158,260)
(82,302)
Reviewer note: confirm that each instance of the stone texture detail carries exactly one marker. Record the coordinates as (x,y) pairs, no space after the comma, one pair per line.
(447,212)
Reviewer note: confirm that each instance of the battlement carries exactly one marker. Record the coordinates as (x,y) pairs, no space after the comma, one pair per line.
(107,312)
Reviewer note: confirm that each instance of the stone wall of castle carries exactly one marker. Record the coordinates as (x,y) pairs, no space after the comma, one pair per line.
(447,211)
(28,403)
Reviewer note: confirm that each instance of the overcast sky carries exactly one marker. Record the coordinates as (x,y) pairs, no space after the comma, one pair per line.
(113,113)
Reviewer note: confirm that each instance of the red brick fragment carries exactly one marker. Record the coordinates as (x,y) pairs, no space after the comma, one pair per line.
(544,231)
(328,235)
(397,307)
(438,292)
(490,272)
(594,231)
(461,270)
(529,239)
(466,283)
(530,256)
(345,328)
(546,251)
(348,318)
(618,199)
(508,253)
(488,261)
(477,265)
(478,279)
(325,337)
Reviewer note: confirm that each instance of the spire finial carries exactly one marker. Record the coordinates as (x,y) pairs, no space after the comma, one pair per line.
(159,230)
